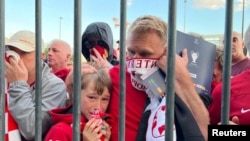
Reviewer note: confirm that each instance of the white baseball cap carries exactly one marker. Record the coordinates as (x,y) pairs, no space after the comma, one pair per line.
(23,40)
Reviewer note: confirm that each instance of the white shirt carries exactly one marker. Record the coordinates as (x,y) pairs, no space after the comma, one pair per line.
(156,124)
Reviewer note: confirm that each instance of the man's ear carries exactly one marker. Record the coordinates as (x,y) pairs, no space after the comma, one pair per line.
(106,53)
(43,56)
(165,48)
(68,56)
(243,44)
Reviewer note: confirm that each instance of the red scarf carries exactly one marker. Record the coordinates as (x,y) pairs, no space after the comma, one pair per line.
(11,131)
(100,49)
(62,73)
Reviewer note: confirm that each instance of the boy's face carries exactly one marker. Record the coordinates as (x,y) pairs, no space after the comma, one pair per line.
(91,101)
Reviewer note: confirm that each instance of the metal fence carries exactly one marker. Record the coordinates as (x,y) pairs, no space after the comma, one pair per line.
(77,67)
(2,70)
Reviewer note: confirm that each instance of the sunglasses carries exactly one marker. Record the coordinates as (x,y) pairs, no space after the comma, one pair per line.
(91,44)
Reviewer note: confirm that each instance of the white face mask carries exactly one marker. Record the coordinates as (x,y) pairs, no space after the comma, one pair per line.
(136,68)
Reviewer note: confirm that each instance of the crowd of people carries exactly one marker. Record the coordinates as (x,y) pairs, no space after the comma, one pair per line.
(146,45)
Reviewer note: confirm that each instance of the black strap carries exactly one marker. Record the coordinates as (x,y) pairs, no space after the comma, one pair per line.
(141,134)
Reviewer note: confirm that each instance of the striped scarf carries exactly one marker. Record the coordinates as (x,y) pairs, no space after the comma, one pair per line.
(11,127)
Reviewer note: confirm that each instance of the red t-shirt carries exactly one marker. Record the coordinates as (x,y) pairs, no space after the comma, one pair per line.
(240,67)
(135,103)
(239,99)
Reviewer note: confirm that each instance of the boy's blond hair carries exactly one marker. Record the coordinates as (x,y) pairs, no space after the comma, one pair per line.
(100,78)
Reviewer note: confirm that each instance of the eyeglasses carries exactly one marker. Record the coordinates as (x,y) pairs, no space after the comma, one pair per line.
(91,44)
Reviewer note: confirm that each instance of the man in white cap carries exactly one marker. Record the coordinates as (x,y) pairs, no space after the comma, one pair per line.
(21,77)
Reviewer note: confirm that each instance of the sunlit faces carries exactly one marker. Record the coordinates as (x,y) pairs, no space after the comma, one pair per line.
(58,55)
(90,100)
(238,44)
(143,45)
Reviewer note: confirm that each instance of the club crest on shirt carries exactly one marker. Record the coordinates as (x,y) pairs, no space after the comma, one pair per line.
(158,127)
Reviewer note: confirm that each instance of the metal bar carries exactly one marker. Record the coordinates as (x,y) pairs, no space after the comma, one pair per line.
(60,27)
(243,17)
(38,86)
(170,69)
(185,5)
(77,70)
(227,63)
(122,85)
(2,70)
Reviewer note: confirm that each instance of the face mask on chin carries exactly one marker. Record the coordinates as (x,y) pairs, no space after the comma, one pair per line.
(136,68)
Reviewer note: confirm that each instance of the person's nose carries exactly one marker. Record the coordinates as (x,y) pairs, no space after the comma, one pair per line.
(136,55)
(49,52)
(98,105)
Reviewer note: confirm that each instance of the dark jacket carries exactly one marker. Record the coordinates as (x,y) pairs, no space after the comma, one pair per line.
(187,128)
(102,31)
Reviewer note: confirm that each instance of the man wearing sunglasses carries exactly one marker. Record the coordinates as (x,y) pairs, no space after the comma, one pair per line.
(97,43)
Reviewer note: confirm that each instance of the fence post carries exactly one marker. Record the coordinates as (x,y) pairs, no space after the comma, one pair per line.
(2,70)
(226,78)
